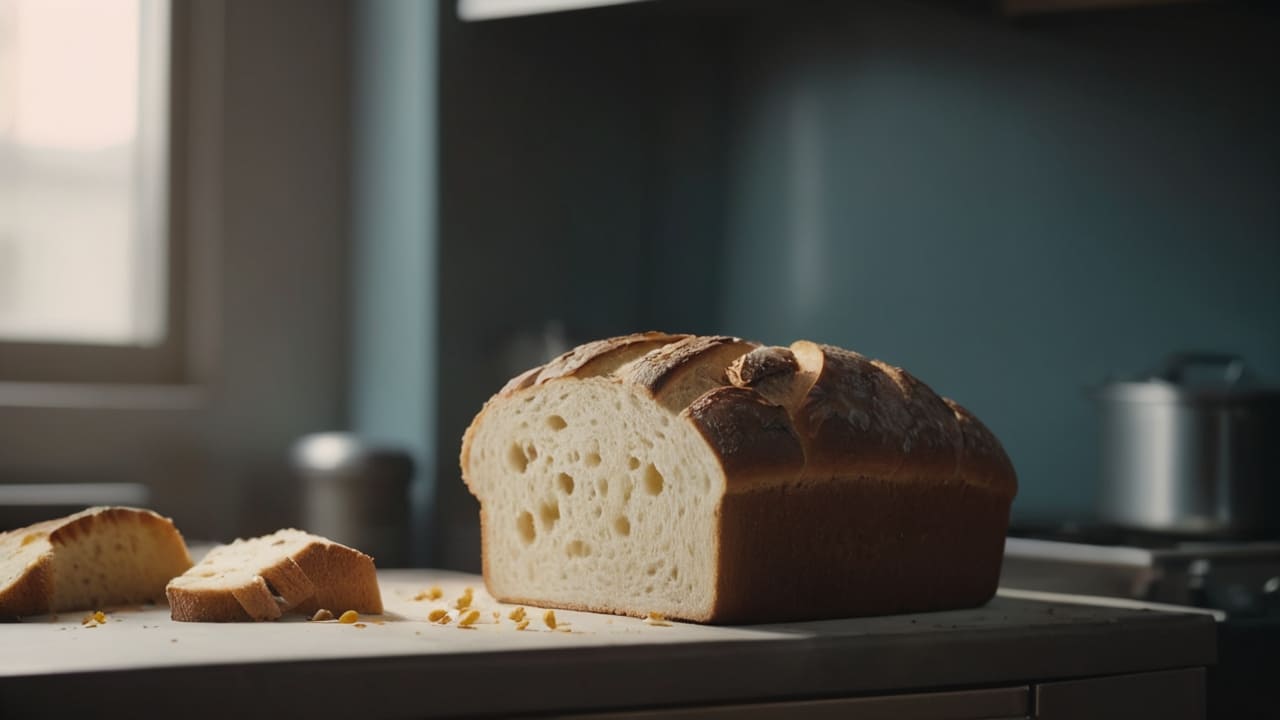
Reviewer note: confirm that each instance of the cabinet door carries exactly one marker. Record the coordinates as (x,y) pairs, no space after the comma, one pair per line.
(1169,694)
(984,704)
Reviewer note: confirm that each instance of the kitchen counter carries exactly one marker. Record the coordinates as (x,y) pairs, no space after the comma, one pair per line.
(399,665)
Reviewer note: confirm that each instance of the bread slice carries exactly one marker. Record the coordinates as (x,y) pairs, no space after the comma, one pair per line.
(99,557)
(716,480)
(265,577)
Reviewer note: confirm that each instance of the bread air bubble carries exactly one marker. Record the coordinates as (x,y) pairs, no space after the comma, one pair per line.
(524,525)
(653,480)
(516,459)
(549,513)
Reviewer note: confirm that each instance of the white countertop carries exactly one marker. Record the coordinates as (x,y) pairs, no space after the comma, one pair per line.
(141,659)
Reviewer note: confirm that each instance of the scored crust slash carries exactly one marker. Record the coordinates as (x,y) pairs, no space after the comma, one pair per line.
(717,480)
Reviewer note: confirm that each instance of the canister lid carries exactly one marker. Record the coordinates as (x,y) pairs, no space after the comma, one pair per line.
(1200,377)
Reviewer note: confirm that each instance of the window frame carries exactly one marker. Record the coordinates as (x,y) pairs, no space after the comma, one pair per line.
(166,362)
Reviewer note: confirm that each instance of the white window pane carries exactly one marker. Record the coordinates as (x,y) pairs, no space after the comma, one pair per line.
(83,125)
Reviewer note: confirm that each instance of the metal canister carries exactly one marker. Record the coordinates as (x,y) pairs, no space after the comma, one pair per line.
(1192,449)
(356,493)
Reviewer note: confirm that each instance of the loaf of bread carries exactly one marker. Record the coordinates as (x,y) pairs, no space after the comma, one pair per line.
(99,557)
(715,480)
(266,577)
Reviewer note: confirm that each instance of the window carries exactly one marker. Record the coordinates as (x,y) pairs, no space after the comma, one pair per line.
(85,252)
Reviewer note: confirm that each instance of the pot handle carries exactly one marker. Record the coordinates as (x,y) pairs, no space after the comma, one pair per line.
(1176,365)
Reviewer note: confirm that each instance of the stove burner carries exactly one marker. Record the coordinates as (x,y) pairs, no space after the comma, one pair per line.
(1240,578)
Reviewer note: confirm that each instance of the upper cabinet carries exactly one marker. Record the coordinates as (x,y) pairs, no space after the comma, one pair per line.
(1037,7)
(493,9)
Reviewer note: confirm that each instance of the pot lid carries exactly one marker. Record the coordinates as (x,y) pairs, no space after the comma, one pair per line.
(1193,376)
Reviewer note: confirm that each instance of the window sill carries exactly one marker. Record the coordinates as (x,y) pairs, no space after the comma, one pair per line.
(77,396)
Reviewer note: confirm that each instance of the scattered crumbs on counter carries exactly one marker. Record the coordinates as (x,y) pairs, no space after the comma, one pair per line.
(379,622)
(656,620)
(322,615)
(522,624)
(173,640)
(349,617)
(360,625)
(417,632)
(97,616)
(431,593)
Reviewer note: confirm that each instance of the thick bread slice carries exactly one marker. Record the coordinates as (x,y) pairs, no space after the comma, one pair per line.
(263,578)
(98,557)
(716,480)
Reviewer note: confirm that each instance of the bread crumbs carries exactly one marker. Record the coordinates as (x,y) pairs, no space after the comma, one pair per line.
(431,593)
(94,619)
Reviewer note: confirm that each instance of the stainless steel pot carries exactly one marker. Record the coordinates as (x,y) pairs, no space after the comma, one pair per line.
(1193,450)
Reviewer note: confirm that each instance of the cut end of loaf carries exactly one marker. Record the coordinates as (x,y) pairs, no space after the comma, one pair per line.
(598,499)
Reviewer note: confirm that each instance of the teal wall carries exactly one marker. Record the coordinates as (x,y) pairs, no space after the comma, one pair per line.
(394,243)
(1013,213)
